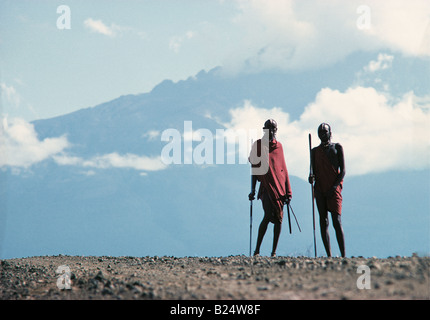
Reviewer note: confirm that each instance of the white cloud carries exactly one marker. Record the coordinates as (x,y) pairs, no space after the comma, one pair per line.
(126,161)
(383,62)
(113,160)
(377,134)
(88,173)
(66,160)
(12,102)
(10,95)
(402,25)
(176,42)
(152,135)
(294,34)
(20,146)
(99,27)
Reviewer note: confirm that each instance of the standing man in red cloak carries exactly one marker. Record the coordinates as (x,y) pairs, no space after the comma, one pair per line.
(328,166)
(268,167)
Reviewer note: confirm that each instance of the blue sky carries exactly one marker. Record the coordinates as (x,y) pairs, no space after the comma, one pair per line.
(112,48)
(120,47)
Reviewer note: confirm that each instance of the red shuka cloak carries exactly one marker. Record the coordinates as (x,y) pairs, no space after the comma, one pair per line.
(275,184)
(325,176)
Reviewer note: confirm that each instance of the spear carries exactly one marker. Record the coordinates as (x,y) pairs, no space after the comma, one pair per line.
(250,210)
(250,228)
(312,187)
(295,217)
(289,220)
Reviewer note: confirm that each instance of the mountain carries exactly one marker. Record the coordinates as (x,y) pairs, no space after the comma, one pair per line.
(187,210)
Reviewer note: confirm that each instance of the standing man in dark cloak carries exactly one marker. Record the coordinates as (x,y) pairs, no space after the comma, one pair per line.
(328,165)
(269,167)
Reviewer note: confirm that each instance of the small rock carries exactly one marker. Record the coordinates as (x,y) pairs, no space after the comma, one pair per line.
(107,291)
(262,288)
(99,276)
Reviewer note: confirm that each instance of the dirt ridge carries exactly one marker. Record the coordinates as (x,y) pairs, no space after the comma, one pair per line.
(214,278)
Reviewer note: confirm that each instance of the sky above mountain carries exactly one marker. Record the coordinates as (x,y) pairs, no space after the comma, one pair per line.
(57,57)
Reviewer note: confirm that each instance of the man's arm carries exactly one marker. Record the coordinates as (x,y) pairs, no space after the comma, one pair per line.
(341,160)
(341,174)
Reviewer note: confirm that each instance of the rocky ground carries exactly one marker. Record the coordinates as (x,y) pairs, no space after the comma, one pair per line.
(234,277)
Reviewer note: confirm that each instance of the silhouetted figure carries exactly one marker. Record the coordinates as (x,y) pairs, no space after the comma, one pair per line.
(328,166)
(275,187)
